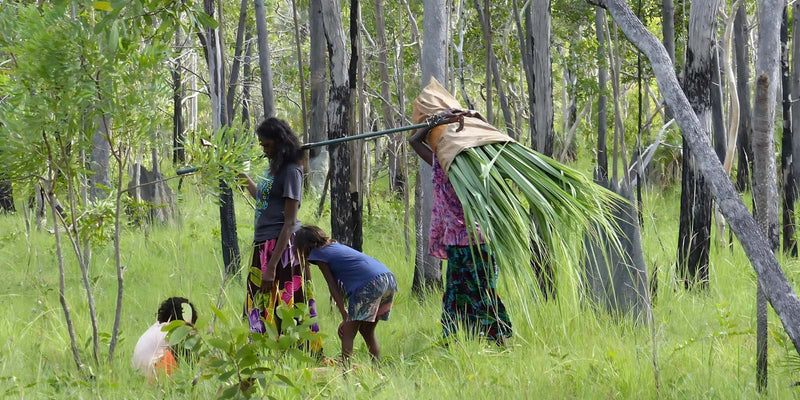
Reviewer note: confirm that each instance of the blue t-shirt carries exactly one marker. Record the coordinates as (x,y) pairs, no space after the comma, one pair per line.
(351,269)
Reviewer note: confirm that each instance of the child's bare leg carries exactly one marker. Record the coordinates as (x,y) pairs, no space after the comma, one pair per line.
(367,330)
(347,332)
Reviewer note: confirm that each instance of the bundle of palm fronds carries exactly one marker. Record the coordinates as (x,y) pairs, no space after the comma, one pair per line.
(528,206)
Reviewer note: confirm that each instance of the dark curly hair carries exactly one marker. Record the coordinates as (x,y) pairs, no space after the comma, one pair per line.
(172,310)
(287,145)
(308,238)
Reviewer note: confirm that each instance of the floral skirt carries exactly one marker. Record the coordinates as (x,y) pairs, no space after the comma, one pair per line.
(470,299)
(373,301)
(291,286)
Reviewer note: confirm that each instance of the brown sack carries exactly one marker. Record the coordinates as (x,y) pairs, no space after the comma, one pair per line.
(446,142)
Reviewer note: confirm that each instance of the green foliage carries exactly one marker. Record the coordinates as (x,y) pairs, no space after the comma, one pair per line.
(223,155)
(244,364)
(563,206)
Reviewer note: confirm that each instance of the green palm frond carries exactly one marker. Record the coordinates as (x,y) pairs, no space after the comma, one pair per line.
(521,199)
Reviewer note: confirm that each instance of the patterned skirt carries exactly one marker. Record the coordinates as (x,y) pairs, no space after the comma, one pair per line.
(470,299)
(291,287)
(373,301)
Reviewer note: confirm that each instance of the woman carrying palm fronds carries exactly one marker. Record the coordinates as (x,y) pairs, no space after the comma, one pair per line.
(470,299)
(494,201)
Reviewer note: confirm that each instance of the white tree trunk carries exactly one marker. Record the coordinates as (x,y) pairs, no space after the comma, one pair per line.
(263,60)
(318,158)
(427,270)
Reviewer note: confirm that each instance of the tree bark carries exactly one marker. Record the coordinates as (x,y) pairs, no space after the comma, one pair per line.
(339,116)
(765,191)
(694,235)
(263,60)
(318,157)
(768,271)
(236,65)
(601,172)
(745,163)
(765,199)
(427,269)
(787,143)
(717,119)
(356,147)
(542,101)
(178,92)
(6,196)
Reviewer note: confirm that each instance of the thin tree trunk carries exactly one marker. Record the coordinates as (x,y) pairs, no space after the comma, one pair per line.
(178,153)
(757,247)
(396,176)
(487,40)
(216,90)
(497,78)
(237,56)
(694,236)
(717,119)
(301,72)
(246,79)
(787,143)
(668,34)
(49,196)
(795,94)
(765,198)
(120,158)
(461,63)
(263,60)
(415,36)
(318,157)
(601,172)
(740,43)
(542,102)
(356,147)
(339,116)
(401,100)
(427,269)
(765,191)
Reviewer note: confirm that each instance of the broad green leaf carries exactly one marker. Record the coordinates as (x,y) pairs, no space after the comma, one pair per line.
(102,6)
(206,20)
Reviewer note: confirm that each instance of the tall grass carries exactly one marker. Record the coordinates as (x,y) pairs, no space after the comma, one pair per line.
(705,341)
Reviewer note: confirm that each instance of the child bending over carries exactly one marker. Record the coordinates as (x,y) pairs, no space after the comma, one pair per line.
(363,282)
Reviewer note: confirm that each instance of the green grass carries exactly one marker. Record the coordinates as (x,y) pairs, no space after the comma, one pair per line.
(705,342)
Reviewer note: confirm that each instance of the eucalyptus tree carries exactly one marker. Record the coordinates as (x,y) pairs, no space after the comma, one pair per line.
(694,234)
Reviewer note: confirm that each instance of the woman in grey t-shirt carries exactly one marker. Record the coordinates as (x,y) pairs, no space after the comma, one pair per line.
(278,192)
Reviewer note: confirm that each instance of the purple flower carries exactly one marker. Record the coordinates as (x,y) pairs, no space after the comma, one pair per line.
(256,323)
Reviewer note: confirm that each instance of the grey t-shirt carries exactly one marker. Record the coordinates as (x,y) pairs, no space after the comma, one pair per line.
(270,198)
